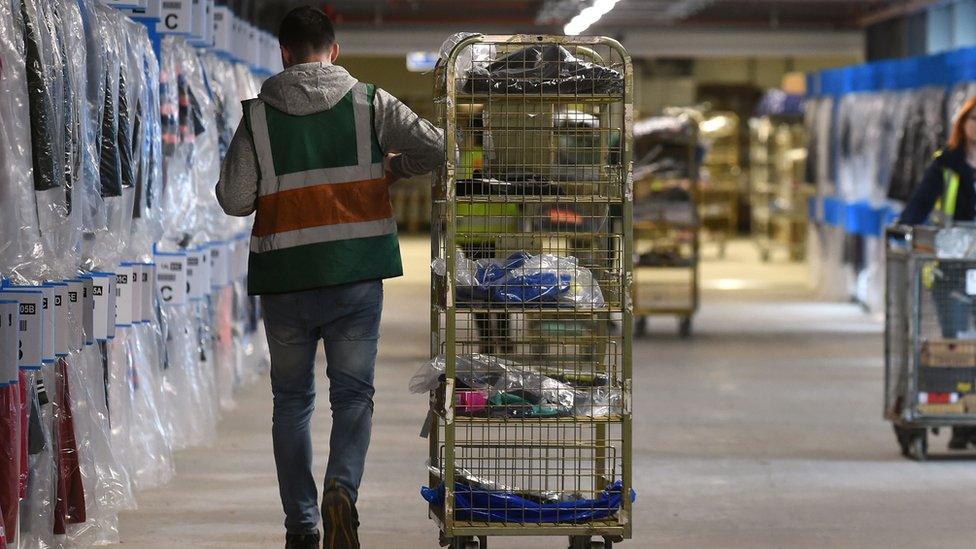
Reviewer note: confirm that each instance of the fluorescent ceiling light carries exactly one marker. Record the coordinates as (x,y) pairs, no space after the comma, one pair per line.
(588,16)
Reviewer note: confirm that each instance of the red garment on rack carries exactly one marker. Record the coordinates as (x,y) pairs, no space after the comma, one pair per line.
(70,505)
(3,537)
(25,409)
(10,455)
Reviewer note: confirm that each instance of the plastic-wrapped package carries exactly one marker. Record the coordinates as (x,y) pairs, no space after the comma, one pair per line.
(516,390)
(470,480)
(476,503)
(37,507)
(526,278)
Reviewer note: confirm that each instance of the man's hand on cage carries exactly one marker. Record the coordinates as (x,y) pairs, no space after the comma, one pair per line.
(391,178)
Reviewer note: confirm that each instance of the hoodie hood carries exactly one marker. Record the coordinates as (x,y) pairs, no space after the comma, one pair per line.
(307,88)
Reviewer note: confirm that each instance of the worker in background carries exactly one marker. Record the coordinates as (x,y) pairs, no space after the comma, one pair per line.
(313,159)
(949,182)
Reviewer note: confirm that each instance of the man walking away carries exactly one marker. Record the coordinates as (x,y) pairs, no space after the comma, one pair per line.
(314,158)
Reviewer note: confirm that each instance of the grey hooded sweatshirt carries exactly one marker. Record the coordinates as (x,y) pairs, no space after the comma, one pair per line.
(314,87)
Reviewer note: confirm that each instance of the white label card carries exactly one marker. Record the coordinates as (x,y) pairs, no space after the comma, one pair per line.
(148,292)
(123,295)
(88,319)
(971,282)
(30,329)
(198,274)
(175,17)
(218,265)
(59,312)
(103,285)
(171,285)
(76,314)
(49,324)
(136,292)
(9,337)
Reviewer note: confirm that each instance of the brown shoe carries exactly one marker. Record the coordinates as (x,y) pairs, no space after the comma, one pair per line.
(340,521)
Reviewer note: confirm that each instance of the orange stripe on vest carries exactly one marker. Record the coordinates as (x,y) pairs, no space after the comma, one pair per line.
(329,204)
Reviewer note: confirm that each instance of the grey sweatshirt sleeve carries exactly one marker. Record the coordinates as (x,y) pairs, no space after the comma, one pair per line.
(237,189)
(418,143)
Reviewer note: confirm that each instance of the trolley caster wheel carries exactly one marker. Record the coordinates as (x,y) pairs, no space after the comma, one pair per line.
(919,447)
(585,542)
(469,542)
(913,442)
(684,327)
(640,327)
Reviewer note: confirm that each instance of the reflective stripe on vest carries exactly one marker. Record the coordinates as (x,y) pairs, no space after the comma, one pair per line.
(950,193)
(324,204)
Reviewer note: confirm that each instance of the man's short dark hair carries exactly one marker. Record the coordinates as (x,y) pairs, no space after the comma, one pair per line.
(306,31)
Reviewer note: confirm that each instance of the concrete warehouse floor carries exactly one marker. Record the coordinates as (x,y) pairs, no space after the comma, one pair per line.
(764,430)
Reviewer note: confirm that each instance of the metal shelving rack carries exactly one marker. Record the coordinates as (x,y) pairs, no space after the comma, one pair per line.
(544,169)
(778,198)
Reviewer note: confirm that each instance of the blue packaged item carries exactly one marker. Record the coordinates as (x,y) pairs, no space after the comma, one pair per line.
(483,505)
(536,286)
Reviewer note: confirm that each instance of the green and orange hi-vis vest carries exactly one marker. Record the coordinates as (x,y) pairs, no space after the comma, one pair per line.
(323,214)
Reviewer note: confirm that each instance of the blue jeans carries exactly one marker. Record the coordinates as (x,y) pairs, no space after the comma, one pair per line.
(347,319)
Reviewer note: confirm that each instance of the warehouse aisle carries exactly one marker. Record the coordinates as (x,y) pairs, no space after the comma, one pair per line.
(763,430)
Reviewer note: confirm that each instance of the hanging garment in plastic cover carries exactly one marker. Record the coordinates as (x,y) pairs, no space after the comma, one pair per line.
(179,197)
(861,123)
(925,133)
(19,238)
(42,228)
(227,97)
(202,122)
(37,506)
(144,140)
(108,246)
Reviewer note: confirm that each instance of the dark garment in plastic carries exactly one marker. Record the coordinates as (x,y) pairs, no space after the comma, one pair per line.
(472,503)
(512,186)
(69,507)
(123,140)
(925,132)
(109,166)
(139,161)
(543,69)
(41,103)
(9,455)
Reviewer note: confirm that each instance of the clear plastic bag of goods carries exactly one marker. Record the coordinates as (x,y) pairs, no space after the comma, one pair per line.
(524,278)
(955,243)
(518,391)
